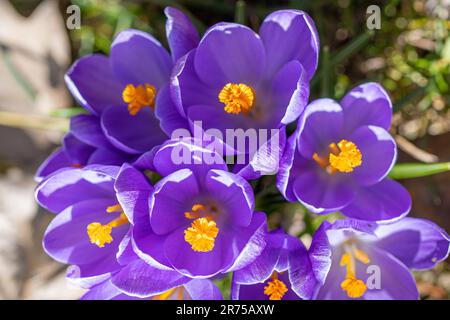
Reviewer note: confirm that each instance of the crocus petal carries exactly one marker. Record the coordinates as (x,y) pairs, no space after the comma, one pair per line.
(187,153)
(181,33)
(57,160)
(197,264)
(93,84)
(230,52)
(132,134)
(252,245)
(320,253)
(320,125)
(128,65)
(69,186)
(125,253)
(187,89)
(215,118)
(418,243)
(78,152)
(367,104)
(379,153)
(90,274)
(301,275)
(321,192)
(331,288)
(87,129)
(102,291)
(266,159)
(145,161)
(141,280)
(397,282)
(286,176)
(133,192)
(200,289)
(171,198)
(234,193)
(290,91)
(109,156)
(149,246)
(167,113)
(66,239)
(263,266)
(386,200)
(290,35)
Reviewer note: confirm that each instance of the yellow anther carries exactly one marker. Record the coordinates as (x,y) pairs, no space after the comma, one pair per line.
(347,158)
(361,256)
(275,288)
(201,234)
(100,234)
(323,162)
(139,97)
(346,259)
(355,288)
(114,208)
(237,98)
(197,211)
(178,291)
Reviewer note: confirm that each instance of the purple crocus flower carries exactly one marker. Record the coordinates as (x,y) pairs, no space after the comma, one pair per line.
(90,222)
(96,209)
(147,281)
(199,221)
(195,289)
(124,93)
(75,153)
(362,260)
(339,157)
(237,79)
(282,272)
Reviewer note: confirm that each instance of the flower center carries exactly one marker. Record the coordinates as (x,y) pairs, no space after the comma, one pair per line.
(178,291)
(237,98)
(275,288)
(139,97)
(342,157)
(99,234)
(202,233)
(354,287)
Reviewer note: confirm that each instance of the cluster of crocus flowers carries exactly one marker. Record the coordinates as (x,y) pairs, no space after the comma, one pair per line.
(135,223)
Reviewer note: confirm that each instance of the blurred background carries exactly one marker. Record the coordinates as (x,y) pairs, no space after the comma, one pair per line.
(409,55)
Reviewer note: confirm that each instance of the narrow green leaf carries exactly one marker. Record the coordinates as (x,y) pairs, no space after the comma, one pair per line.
(415,170)
(239,14)
(326,73)
(28,121)
(67,112)
(351,48)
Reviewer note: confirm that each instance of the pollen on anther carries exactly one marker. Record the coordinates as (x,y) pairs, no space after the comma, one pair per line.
(275,288)
(237,98)
(138,97)
(201,234)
